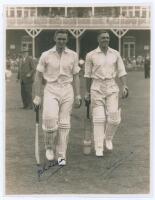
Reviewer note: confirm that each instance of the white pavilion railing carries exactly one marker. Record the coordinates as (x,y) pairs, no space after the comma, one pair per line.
(73,23)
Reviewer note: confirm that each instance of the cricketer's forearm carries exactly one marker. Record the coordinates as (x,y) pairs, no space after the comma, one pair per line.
(38,83)
(76,82)
(88,84)
(123,80)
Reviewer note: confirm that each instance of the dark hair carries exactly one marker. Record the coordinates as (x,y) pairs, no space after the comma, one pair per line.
(102,31)
(61,31)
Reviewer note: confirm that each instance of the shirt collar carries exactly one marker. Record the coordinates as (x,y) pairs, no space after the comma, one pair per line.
(54,49)
(98,50)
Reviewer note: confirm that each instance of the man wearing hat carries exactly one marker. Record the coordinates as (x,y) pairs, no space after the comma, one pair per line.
(25,75)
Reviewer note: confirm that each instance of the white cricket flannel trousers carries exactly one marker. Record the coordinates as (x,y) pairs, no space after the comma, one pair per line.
(57,106)
(106,115)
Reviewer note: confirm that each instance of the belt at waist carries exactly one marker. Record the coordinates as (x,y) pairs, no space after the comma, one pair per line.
(58,84)
(106,80)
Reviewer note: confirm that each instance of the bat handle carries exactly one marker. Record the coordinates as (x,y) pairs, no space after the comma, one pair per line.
(87,104)
(87,111)
(37,114)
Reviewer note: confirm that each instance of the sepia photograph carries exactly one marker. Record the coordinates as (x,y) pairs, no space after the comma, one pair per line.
(77,99)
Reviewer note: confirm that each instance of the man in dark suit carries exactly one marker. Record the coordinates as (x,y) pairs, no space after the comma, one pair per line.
(25,75)
(147,67)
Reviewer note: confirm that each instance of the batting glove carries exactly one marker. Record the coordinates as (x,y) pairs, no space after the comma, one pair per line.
(78,101)
(87,98)
(37,101)
(125,92)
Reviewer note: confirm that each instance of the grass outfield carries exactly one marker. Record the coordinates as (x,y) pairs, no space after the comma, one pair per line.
(124,171)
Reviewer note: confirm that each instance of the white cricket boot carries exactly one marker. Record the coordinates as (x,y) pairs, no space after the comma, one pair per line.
(61,161)
(99,152)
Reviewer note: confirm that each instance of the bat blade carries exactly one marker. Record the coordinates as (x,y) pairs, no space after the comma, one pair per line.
(37,144)
(87,145)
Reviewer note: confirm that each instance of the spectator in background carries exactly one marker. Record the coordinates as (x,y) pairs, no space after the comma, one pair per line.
(124,61)
(51,12)
(60,12)
(8,72)
(147,67)
(134,63)
(72,12)
(128,63)
(89,13)
(25,75)
(8,63)
(35,60)
(139,61)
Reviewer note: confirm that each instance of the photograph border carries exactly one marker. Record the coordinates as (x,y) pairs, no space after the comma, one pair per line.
(2,88)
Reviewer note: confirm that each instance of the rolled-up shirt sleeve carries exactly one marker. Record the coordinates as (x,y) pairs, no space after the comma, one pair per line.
(120,67)
(88,67)
(76,67)
(41,64)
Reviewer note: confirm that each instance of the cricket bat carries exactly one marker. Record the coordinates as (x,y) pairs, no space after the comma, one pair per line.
(87,131)
(37,155)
